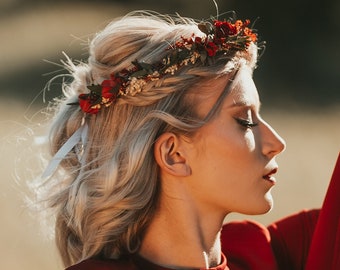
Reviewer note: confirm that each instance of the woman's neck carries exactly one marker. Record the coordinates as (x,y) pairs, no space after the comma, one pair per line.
(182,234)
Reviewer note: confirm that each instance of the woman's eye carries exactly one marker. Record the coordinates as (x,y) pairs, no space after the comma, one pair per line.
(246,123)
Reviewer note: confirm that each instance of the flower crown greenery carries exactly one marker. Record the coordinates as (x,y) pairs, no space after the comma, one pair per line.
(221,37)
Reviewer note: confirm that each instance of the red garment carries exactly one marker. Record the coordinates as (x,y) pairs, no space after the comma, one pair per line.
(247,246)
(325,249)
(308,240)
(291,238)
(283,245)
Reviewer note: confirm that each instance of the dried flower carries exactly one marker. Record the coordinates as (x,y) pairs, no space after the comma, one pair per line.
(221,36)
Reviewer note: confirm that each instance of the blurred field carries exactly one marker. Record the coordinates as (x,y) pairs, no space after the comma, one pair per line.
(313,141)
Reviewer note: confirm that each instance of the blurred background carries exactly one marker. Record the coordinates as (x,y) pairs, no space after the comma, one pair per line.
(298,79)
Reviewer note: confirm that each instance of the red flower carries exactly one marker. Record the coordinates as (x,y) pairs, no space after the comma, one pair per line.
(224,29)
(211,48)
(107,88)
(89,103)
(246,23)
(105,94)
(198,40)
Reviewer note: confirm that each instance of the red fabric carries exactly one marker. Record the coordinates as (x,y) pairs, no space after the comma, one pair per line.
(291,238)
(325,248)
(247,246)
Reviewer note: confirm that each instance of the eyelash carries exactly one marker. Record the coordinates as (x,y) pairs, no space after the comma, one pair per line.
(246,123)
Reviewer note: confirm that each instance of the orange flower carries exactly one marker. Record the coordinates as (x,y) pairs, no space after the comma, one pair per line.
(238,25)
(248,32)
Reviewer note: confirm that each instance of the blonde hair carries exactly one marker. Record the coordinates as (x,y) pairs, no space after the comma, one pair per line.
(104,203)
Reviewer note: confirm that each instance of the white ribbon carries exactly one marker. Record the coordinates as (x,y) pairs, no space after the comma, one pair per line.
(79,136)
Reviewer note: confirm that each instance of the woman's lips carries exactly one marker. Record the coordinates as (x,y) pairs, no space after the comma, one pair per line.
(270,176)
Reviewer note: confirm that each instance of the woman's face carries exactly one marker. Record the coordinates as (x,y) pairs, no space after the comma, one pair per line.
(232,157)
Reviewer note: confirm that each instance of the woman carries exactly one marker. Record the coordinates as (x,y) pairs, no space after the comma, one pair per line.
(160,138)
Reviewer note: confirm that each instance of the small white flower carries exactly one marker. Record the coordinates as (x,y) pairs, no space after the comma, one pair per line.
(135,86)
(194,57)
(171,69)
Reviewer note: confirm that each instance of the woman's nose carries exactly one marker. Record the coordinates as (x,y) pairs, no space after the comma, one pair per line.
(272,142)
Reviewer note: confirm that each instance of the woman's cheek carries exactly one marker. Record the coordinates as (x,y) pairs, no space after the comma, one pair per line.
(250,141)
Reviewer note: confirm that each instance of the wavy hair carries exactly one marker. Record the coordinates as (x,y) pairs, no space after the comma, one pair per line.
(104,203)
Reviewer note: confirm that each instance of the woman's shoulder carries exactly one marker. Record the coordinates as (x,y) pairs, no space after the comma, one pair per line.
(100,264)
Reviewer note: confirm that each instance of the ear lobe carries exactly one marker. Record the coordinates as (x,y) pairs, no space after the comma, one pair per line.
(169,155)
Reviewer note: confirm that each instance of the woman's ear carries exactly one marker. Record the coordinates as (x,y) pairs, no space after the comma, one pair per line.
(170,155)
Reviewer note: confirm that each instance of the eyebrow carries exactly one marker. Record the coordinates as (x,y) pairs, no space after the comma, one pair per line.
(243,103)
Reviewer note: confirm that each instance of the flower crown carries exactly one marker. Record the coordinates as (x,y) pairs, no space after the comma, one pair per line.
(221,37)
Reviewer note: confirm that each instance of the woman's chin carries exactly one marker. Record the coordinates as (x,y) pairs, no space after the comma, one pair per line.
(269,202)
(265,206)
